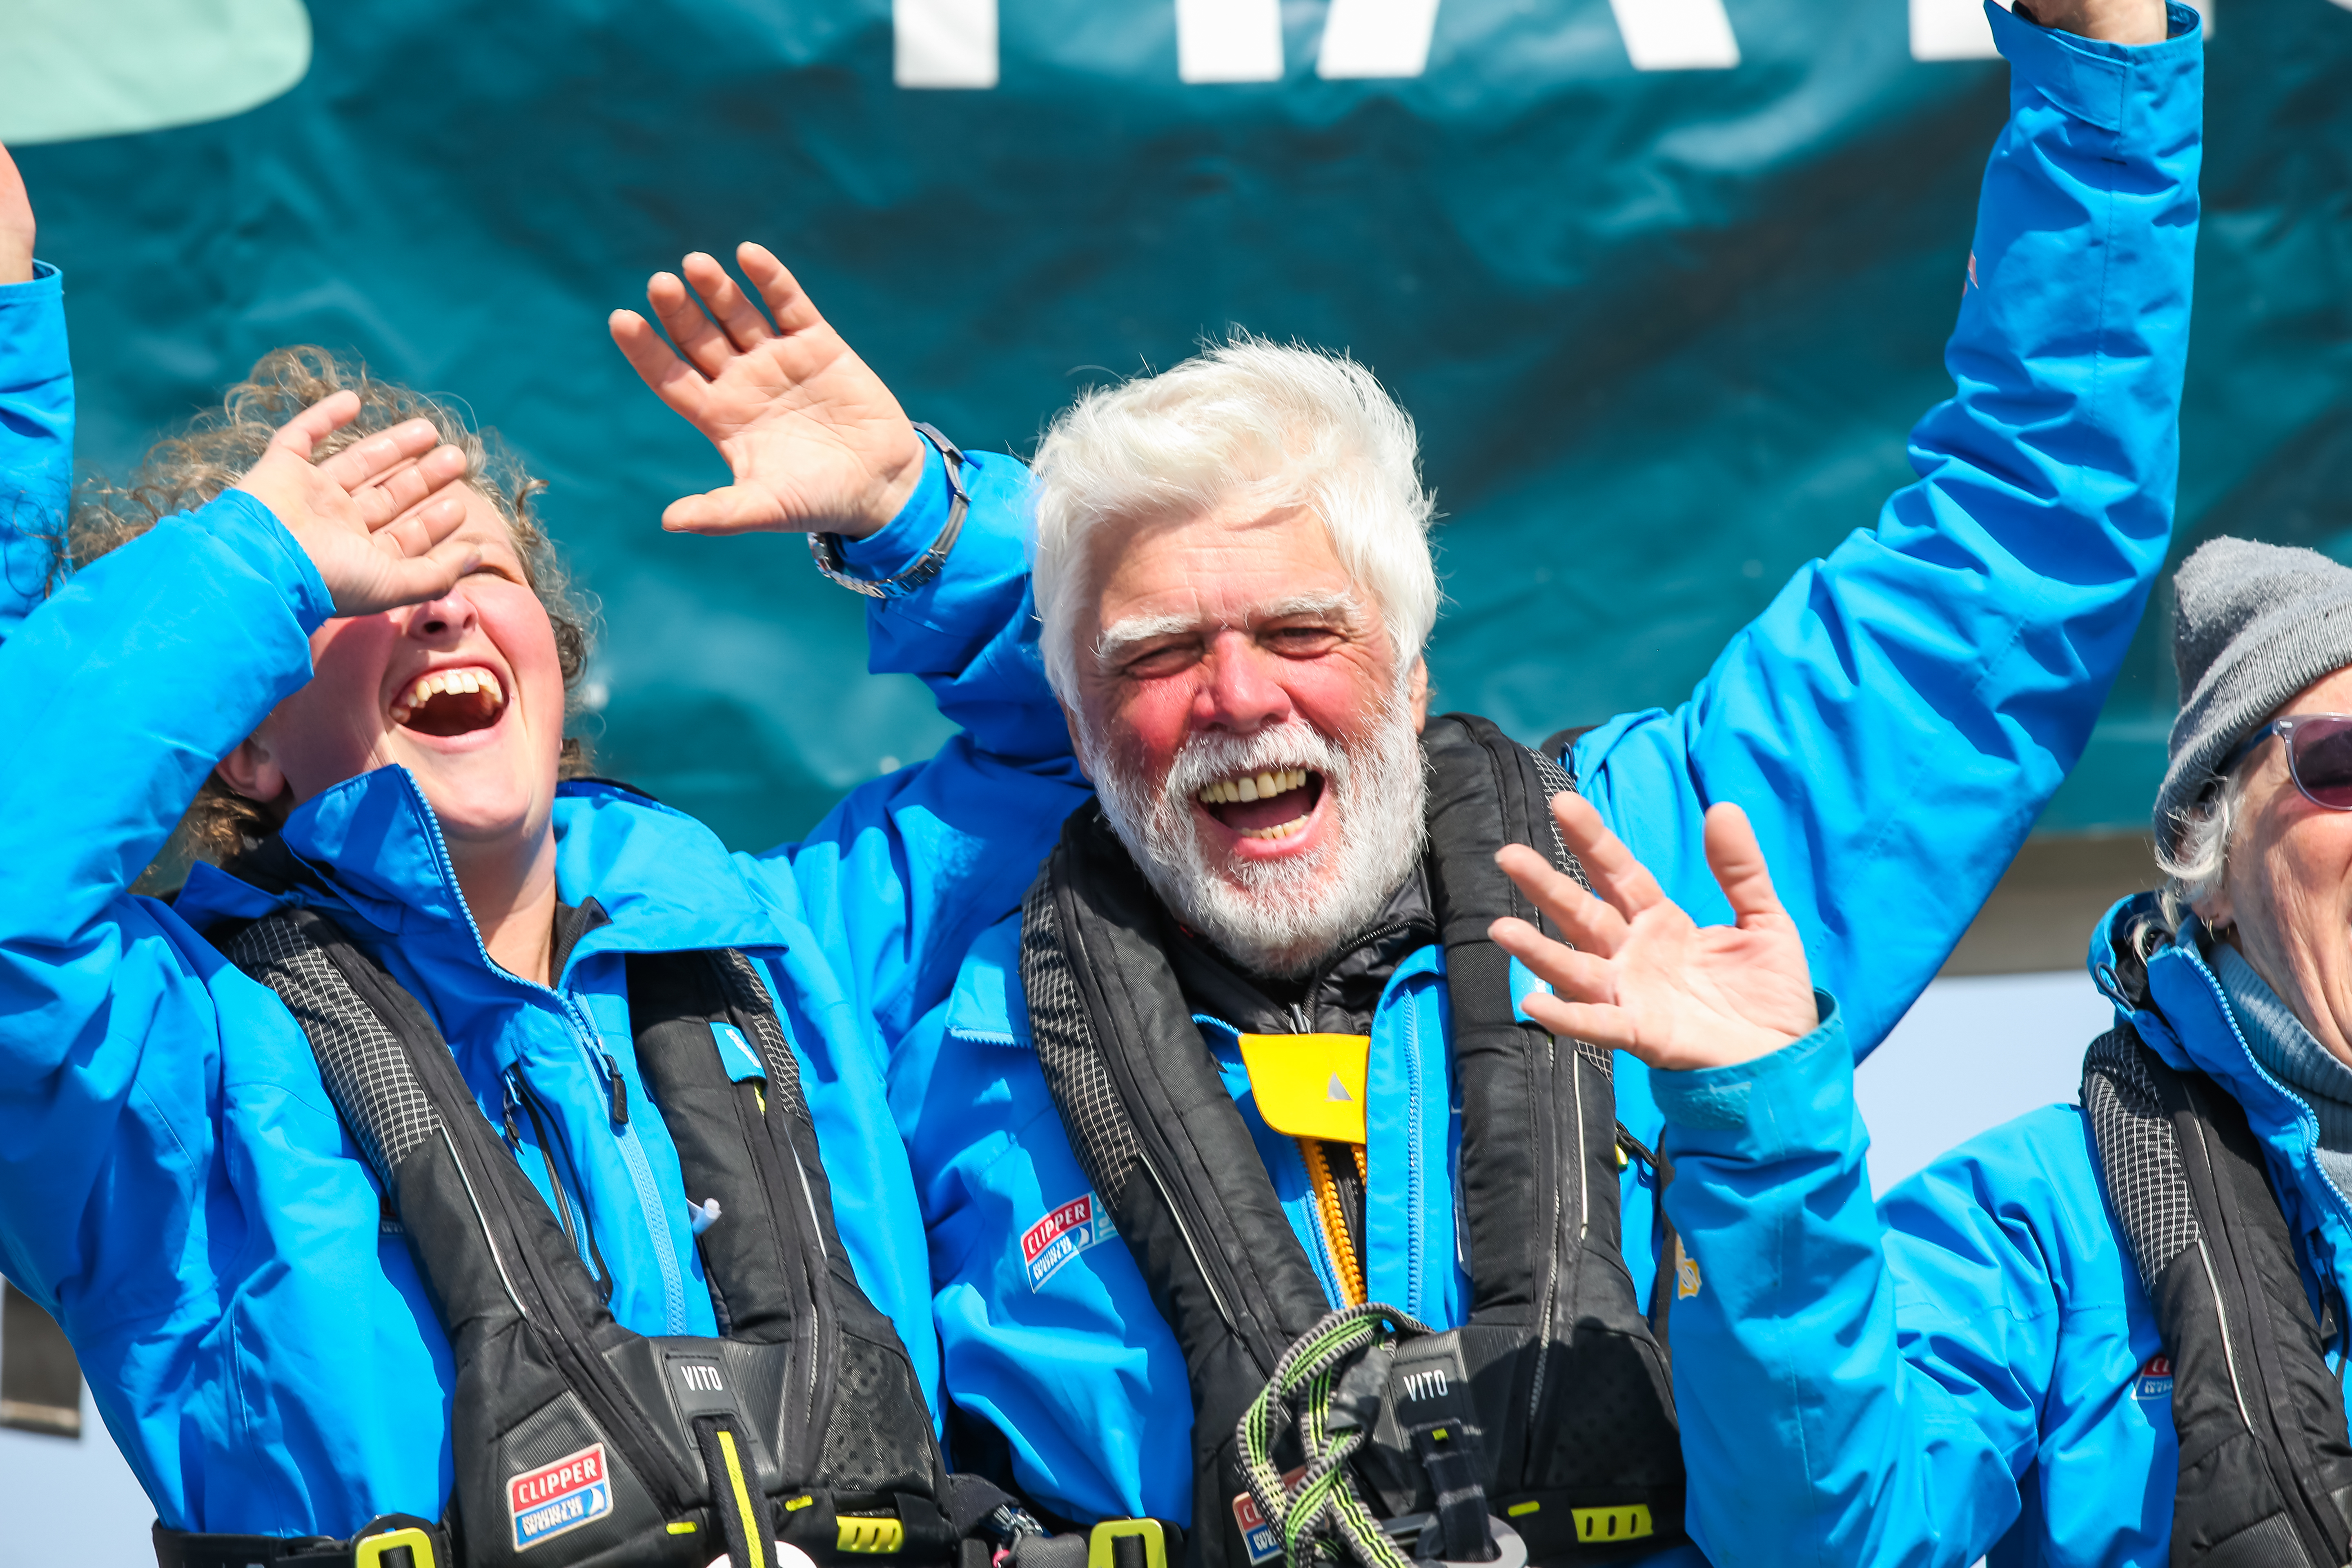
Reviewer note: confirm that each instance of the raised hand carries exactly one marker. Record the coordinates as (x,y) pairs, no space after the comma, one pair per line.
(816,442)
(376,518)
(1642,978)
(16,224)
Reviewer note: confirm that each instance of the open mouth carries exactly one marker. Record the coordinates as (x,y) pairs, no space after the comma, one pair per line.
(1266,806)
(450,702)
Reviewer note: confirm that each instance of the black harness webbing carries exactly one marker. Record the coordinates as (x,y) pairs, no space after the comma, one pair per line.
(2265,1462)
(577,1441)
(1554,1394)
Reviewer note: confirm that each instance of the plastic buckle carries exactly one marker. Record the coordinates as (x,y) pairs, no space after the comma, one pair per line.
(370,1550)
(865,1533)
(1102,1542)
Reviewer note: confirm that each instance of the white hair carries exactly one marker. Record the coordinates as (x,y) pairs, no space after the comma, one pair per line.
(1247,420)
(2197,862)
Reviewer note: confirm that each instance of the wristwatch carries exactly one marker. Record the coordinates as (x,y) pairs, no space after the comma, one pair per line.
(825,548)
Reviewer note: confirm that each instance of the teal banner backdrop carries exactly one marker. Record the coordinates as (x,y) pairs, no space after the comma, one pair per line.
(1664,281)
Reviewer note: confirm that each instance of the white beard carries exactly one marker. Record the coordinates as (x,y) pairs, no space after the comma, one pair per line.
(1278,918)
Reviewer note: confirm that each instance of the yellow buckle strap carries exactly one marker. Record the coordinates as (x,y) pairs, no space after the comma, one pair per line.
(1625,1521)
(370,1551)
(1101,1543)
(857,1533)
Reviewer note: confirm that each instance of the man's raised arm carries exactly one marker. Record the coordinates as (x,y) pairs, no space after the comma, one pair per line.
(1900,714)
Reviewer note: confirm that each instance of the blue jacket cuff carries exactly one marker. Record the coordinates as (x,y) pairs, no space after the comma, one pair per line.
(2092,80)
(46,283)
(252,532)
(897,545)
(1799,1098)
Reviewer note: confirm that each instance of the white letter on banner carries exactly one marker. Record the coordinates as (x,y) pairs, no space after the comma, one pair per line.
(1956,29)
(1677,35)
(944,43)
(1376,38)
(1229,40)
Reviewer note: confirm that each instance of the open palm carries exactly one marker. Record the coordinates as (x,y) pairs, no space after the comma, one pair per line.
(1641,975)
(815,441)
(377,518)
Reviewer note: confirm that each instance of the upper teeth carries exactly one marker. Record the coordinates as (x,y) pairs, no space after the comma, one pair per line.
(1253,786)
(457,682)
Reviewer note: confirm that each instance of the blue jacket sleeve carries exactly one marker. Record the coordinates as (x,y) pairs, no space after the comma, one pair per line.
(129,683)
(35,440)
(1847,1395)
(1899,716)
(903,874)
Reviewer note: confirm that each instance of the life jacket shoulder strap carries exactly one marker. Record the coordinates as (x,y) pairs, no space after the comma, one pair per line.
(2265,1460)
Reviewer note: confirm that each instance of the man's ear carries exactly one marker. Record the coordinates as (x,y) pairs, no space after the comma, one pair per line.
(252,771)
(1417,693)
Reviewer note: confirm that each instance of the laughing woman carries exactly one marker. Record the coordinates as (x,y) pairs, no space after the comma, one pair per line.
(475,1161)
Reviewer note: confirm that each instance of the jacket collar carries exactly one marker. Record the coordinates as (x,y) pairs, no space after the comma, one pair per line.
(370,847)
(2179,1006)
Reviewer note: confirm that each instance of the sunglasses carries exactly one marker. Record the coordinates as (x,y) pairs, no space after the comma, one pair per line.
(2318,755)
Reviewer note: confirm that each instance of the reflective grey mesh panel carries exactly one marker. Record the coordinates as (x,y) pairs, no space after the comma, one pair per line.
(2140,1153)
(1558,780)
(1101,1135)
(367,1074)
(750,994)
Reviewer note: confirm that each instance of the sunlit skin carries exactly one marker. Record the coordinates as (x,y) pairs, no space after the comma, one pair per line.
(1200,621)
(492,787)
(432,585)
(1641,975)
(2286,899)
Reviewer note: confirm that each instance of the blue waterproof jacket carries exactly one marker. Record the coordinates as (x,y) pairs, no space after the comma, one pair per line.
(1893,723)
(35,439)
(1962,1370)
(175,1185)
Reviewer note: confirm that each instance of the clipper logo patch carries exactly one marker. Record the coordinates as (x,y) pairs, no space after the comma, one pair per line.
(2153,1381)
(562,1495)
(1062,1234)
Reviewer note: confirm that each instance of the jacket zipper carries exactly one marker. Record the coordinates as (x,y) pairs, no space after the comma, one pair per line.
(584,1034)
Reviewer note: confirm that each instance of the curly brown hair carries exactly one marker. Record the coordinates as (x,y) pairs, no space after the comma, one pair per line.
(188,469)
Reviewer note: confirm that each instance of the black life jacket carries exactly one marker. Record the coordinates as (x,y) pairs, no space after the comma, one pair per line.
(578,1442)
(1556,1372)
(2265,1462)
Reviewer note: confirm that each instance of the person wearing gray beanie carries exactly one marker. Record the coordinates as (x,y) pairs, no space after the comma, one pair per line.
(2253,624)
(2110,1333)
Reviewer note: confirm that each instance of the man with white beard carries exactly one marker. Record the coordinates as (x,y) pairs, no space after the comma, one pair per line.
(1248,1056)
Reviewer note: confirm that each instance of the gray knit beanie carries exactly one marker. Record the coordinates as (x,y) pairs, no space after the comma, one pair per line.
(2253,624)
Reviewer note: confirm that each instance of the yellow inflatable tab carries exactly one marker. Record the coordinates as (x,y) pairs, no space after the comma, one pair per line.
(1626,1521)
(1309,1086)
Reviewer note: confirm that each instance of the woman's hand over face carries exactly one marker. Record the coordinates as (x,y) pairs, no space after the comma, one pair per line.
(1641,976)
(378,541)
(816,442)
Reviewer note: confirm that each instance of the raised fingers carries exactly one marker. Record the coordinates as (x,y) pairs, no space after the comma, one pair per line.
(1581,918)
(396,490)
(314,424)
(416,530)
(1615,875)
(1738,861)
(787,301)
(745,327)
(673,379)
(365,459)
(703,346)
(1579,976)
